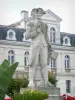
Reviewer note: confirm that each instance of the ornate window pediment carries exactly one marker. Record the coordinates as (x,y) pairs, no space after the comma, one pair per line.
(11,35)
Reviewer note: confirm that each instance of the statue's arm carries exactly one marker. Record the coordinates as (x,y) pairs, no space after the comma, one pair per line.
(47,38)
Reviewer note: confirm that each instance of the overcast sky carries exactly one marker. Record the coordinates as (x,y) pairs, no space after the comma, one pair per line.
(65,9)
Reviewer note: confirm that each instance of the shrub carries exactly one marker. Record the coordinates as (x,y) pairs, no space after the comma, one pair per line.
(15,85)
(18,97)
(31,95)
(52,78)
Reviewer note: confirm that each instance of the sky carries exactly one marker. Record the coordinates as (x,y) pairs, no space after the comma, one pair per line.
(65,9)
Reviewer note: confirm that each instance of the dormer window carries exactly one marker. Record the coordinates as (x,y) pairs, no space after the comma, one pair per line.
(66,41)
(11,35)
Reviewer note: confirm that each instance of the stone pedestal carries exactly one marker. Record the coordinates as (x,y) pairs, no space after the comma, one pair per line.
(53,92)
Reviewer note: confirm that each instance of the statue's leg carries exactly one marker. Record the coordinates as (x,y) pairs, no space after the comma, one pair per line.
(35,55)
(31,76)
(43,60)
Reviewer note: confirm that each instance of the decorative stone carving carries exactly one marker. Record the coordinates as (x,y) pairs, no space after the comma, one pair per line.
(66,41)
(11,35)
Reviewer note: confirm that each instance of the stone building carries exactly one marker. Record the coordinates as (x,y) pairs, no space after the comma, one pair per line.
(15,47)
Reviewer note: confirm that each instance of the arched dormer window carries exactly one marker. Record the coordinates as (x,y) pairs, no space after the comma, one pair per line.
(11,35)
(67,61)
(66,41)
(11,57)
(26,58)
(52,34)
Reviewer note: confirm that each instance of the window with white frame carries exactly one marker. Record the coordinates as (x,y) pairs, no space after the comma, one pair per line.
(26,58)
(11,35)
(11,57)
(68,86)
(66,41)
(52,34)
(67,61)
(52,63)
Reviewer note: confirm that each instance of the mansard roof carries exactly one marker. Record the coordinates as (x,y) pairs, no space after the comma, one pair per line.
(19,32)
(71,36)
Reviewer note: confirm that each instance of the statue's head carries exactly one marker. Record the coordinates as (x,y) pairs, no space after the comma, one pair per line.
(37,13)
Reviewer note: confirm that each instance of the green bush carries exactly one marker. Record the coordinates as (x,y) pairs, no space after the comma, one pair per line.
(52,78)
(16,84)
(18,97)
(31,95)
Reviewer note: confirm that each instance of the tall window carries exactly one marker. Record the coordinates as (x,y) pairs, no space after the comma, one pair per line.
(68,86)
(11,57)
(26,58)
(52,63)
(67,61)
(52,35)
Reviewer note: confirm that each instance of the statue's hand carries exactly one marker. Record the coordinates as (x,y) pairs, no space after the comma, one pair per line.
(38,30)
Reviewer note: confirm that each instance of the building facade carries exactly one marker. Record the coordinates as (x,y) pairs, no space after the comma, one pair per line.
(15,47)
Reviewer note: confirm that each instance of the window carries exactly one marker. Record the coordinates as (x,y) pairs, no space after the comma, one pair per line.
(52,35)
(52,63)
(68,86)
(11,35)
(66,41)
(26,58)
(11,57)
(67,61)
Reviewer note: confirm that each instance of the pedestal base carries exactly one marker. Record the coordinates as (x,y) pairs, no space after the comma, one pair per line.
(54,93)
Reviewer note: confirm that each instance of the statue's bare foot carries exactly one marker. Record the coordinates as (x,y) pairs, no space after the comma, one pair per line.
(31,84)
(49,84)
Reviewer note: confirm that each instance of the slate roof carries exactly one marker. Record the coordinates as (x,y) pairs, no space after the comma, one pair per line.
(19,32)
(71,36)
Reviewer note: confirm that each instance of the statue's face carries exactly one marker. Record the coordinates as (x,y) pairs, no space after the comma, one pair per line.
(37,16)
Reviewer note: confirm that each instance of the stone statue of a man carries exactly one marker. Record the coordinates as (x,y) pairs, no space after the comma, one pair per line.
(40,45)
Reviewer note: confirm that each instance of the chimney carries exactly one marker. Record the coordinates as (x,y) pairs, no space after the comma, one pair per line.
(24,15)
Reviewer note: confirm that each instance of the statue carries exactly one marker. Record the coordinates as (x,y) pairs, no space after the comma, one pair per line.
(40,49)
